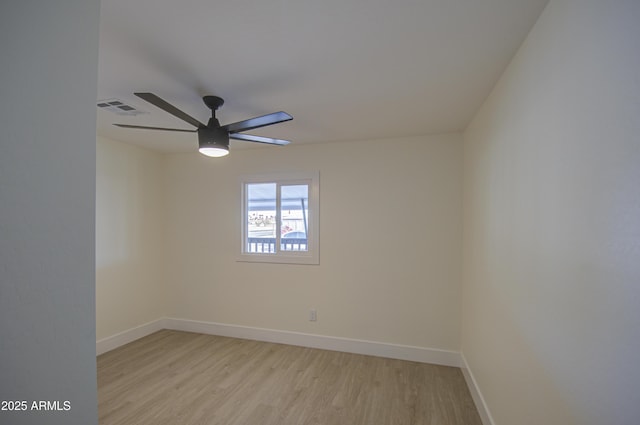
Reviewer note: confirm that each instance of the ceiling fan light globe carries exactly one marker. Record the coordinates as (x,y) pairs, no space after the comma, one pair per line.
(215,152)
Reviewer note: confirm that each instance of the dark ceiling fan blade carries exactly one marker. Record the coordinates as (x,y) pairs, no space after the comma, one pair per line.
(259,139)
(257,122)
(155,128)
(166,106)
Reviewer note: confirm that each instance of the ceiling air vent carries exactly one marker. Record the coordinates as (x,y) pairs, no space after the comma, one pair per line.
(119,107)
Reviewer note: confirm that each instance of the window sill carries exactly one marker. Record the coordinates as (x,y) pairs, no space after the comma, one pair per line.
(306,258)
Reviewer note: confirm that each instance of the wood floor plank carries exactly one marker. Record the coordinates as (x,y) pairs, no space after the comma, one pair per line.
(184,378)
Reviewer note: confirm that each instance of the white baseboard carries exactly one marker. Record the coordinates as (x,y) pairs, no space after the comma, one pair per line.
(130,335)
(478,399)
(348,345)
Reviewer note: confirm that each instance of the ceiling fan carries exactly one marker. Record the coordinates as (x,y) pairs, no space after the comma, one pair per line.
(213,138)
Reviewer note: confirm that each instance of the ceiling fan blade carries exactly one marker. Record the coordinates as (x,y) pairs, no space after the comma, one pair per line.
(166,106)
(155,128)
(259,139)
(257,122)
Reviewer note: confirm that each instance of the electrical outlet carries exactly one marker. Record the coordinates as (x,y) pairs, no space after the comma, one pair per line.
(313,315)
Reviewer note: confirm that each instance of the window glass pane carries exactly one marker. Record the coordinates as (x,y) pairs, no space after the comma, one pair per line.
(261,217)
(294,214)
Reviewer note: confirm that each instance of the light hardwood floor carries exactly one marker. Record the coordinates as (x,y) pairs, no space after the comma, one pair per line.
(184,378)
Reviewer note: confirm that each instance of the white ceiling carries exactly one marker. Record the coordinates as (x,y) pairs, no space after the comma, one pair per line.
(345,69)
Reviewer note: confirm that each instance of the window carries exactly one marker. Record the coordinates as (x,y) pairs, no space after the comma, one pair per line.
(280,218)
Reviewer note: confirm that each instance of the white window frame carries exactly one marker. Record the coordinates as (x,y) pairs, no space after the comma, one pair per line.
(312,255)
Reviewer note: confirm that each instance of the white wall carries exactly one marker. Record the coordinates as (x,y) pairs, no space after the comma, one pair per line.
(130,237)
(48,80)
(390,242)
(551,323)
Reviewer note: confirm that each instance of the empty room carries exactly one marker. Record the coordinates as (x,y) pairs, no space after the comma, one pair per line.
(337,212)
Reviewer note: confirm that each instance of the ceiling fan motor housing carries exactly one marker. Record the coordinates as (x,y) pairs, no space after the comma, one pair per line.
(213,137)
